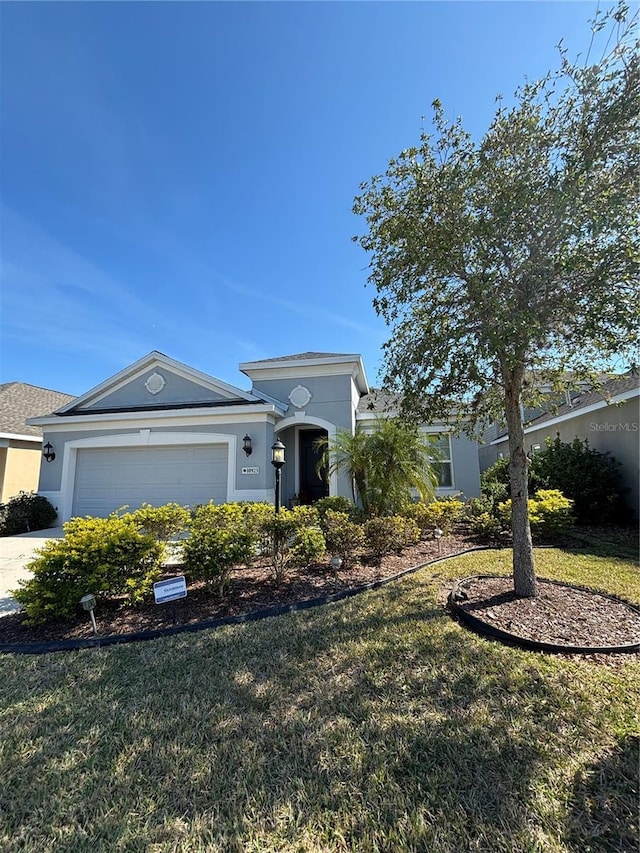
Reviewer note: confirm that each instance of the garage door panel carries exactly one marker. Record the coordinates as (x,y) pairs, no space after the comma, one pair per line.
(108,479)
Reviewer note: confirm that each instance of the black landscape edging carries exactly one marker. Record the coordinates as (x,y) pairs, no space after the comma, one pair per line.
(480,626)
(256,615)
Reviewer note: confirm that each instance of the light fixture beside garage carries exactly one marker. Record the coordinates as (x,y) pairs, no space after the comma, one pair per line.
(246,445)
(48,452)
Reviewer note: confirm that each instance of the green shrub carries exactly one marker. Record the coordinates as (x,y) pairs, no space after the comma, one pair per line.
(305,516)
(162,522)
(255,515)
(25,512)
(390,534)
(498,473)
(409,532)
(549,513)
(344,538)
(103,556)
(308,545)
(219,540)
(590,478)
(336,503)
(487,527)
(442,513)
(288,541)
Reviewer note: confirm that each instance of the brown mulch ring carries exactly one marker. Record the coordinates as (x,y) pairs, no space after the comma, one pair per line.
(560,615)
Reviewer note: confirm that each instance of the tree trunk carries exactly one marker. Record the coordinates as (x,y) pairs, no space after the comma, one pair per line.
(524,577)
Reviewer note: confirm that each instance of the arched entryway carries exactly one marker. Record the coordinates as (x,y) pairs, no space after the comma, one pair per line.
(311,486)
(300,482)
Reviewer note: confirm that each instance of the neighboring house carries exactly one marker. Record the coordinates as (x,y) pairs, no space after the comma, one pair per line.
(161,431)
(608,419)
(21,443)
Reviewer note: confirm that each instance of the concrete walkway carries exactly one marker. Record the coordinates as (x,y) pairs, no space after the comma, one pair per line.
(15,553)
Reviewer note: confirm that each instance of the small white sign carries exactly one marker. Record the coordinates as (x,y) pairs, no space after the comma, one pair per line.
(170,589)
(250,470)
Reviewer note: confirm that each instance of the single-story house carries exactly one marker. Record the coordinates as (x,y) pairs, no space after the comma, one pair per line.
(609,419)
(161,431)
(20,442)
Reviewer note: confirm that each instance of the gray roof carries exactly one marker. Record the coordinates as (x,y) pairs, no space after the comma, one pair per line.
(19,401)
(378,401)
(612,388)
(579,402)
(303,356)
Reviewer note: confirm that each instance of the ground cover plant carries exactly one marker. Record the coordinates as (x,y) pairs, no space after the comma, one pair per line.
(374,724)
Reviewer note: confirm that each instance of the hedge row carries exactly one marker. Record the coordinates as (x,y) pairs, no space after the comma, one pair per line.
(122,555)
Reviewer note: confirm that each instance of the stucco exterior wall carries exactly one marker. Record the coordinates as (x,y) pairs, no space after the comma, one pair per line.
(3,467)
(466,468)
(611,429)
(261,438)
(331,397)
(177,389)
(614,430)
(21,469)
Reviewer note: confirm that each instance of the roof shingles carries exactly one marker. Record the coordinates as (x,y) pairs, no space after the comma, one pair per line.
(19,401)
(304,356)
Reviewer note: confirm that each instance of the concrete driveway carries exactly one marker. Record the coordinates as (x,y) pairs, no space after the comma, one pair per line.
(15,553)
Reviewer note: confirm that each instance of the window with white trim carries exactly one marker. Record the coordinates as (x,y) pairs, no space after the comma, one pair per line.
(442,460)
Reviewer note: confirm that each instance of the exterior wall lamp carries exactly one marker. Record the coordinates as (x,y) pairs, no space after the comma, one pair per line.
(246,445)
(48,452)
(277,460)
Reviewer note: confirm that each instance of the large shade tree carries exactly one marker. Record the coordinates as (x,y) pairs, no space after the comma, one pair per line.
(511,263)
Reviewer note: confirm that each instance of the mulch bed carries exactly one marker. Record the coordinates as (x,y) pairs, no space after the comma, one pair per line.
(250,589)
(558,614)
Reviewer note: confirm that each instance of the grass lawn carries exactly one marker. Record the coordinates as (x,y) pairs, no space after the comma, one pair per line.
(375,724)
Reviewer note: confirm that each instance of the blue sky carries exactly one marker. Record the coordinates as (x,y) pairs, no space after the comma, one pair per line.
(180,176)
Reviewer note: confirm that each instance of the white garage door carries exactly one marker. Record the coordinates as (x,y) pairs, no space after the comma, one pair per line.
(109,479)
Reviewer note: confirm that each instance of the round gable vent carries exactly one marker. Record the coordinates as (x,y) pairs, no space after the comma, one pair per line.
(300,396)
(155,383)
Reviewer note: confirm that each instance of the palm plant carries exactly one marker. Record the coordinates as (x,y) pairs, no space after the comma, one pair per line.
(385,466)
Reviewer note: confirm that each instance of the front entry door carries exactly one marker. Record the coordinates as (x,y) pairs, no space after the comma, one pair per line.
(312,487)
